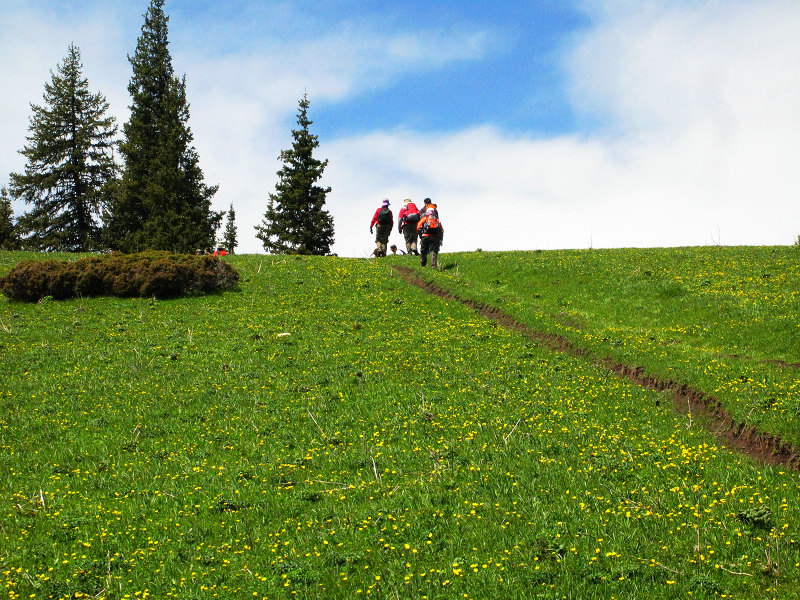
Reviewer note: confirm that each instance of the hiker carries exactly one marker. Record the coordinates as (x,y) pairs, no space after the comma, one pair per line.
(393,248)
(383,221)
(431,234)
(429,204)
(407,221)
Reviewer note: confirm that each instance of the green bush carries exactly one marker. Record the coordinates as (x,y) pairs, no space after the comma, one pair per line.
(146,274)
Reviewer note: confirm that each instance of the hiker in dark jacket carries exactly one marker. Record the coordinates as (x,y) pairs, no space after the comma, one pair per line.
(383,222)
(431,234)
(429,204)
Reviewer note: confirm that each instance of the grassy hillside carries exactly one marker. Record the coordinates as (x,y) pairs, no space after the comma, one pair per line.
(330,431)
(724,320)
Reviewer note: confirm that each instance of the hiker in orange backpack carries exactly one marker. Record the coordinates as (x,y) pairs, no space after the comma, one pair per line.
(429,204)
(407,221)
(431,234)
(383,221)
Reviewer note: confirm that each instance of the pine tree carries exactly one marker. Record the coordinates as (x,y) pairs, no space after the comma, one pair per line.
(9,240)
(161,202)
(229,237)
(296,221)
(70,162)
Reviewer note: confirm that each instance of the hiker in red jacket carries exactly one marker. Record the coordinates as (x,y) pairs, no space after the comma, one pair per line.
(407,225)
(383,221)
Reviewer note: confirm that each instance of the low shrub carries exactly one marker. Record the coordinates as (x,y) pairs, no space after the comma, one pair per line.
(159,274)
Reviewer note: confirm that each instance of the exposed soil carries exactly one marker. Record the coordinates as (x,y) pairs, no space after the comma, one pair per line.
(772,361)
(705,409)
(783,363)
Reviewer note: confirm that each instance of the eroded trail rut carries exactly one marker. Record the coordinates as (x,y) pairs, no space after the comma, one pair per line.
(766,448)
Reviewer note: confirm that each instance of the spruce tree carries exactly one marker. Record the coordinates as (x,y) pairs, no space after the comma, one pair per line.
(9,240)
(296,221)
(70,162)
(162,201)
(229,237)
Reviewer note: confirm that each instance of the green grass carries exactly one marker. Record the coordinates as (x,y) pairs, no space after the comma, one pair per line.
(720,319)
(392,445)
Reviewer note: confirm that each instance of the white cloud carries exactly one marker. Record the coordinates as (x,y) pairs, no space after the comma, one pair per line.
(661,64)
(696,143)
(703,99)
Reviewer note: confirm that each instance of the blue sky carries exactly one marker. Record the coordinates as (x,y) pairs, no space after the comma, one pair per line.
(516,84)
(588,123)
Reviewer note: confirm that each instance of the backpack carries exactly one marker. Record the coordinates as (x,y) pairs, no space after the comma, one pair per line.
(384,216)
(412,217)
(432,227)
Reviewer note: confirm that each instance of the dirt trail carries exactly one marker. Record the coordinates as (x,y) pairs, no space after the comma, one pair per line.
(771,361)
(706,409)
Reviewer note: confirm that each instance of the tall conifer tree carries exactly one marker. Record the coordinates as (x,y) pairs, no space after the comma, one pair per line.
(162,201)
(229,237)
(70,162)
(296,221)
(9,240)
